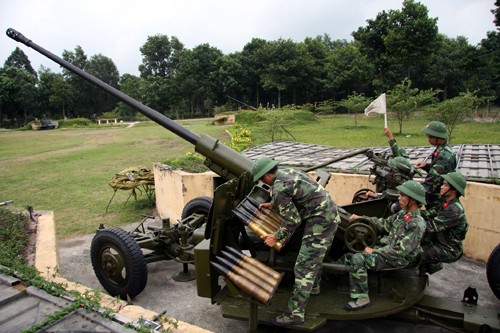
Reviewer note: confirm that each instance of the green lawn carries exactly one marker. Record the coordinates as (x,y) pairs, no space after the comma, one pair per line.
(67,170)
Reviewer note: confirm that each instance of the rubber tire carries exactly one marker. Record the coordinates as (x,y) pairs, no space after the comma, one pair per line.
(126,254)
(360,195)
(199,205)
(493,271)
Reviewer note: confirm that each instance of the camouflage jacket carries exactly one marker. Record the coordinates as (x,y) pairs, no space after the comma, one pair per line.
(396,150)
(297,197)
(443,161)
(447,226)
(402,245)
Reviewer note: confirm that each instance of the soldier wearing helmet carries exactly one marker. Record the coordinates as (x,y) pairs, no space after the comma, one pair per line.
(299,199)
(443,160)
(446,224)
(400,248)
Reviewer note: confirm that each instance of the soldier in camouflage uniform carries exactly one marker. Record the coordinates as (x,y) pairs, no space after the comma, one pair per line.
(400,248)
(446,224)
(299,199)
(443,160)
(396,150)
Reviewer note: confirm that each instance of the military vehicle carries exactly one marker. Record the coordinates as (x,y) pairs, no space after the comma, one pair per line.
(221,232)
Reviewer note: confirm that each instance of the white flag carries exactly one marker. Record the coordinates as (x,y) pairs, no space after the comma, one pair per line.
(377,106)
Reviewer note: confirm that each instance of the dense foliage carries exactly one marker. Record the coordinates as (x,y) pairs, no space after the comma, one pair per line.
(395,46)
(13,236)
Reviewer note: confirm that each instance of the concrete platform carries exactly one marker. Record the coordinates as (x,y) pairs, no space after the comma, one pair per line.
(180,300)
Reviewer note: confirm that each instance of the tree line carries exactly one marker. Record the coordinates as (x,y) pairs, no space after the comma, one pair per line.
(397,47)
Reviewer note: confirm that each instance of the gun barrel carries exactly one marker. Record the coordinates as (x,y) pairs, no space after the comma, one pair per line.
(219,158)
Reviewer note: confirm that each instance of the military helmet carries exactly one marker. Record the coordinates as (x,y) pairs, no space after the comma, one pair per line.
(401,163)
(262,166)
(437,129)
(413,189)
(457,180)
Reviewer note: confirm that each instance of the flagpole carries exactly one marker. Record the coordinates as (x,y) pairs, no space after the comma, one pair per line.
(385,113)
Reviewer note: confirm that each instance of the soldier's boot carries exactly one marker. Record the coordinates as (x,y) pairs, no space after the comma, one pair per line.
(315,290)
(357,304)
(433,267)
(286,319)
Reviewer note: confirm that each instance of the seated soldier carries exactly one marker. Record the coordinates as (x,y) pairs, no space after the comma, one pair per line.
(446,224)
(400,248)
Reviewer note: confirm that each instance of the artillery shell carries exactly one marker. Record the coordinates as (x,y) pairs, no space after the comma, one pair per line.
(268,270)
(244,284)
(252,269)
(259,282)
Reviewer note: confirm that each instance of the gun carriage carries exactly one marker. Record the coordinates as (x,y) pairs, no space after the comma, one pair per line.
(217,234)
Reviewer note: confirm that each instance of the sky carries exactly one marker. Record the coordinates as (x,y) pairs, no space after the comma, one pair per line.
(118,28)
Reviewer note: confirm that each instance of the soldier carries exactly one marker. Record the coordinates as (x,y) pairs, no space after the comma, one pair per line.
(299,198)
(400,248)
(446,225)
(443,160)
(396,150)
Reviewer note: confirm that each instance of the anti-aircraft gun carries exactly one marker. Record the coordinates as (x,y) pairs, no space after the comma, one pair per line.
(220,234)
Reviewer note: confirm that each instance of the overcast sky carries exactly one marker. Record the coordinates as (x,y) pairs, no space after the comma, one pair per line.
(118,28)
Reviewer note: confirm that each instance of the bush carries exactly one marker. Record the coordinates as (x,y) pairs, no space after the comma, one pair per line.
(13,236)
(240,137)
(191,162)
(76,122)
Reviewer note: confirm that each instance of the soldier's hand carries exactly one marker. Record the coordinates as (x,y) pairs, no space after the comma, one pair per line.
(368,250)
(353,217)
(420,165)
(269,240)
(388,133)
(267,205)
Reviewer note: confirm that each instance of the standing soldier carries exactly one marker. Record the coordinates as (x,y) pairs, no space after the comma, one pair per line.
(400,248)
(396,150)
(446,225)
(443,160)
(299,198)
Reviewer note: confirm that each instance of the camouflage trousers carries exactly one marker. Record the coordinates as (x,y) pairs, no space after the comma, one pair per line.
(317,239)
(360,263)
(434,252)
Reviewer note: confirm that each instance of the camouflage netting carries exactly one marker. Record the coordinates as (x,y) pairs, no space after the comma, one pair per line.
(132,179)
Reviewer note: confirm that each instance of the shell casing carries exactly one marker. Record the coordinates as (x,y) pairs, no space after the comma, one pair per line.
(252,269)
(268,270)
(259,231)
(244,284)
(258,281)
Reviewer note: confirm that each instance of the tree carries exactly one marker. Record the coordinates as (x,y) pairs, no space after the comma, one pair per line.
(81,88)
(17,94)
(104,69)
(411,36)
(160,56)
(348,70)
(132,86)
(253,70)
(403,99)
(285,64)
(62,94)
(54,93)
(453,111)
(20,60)
(354,103)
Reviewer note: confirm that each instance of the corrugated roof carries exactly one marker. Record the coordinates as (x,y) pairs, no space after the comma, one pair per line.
(478,162)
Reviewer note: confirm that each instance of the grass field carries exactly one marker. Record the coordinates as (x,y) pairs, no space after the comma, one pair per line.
(67,170)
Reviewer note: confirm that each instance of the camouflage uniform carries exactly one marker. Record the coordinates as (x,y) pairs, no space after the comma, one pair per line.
(396,150)
(443,161)
(297,197)
(399,248)
(446,229)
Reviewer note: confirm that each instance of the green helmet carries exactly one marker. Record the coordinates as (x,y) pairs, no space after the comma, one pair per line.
(262,166)
(437,129)
(457,180)
(401,163)
(414,190)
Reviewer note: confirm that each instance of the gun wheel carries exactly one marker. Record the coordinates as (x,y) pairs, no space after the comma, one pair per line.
(493,271)
(359,234)
(199,205)
(118,263)
(361,195)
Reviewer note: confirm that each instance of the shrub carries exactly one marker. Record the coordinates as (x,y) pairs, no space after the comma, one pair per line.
(191,162)
(240,137)
(13,236)
(76,122)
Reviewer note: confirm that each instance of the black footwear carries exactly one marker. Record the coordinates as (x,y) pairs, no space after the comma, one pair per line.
(357,304)
(287,319)
(433,267)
